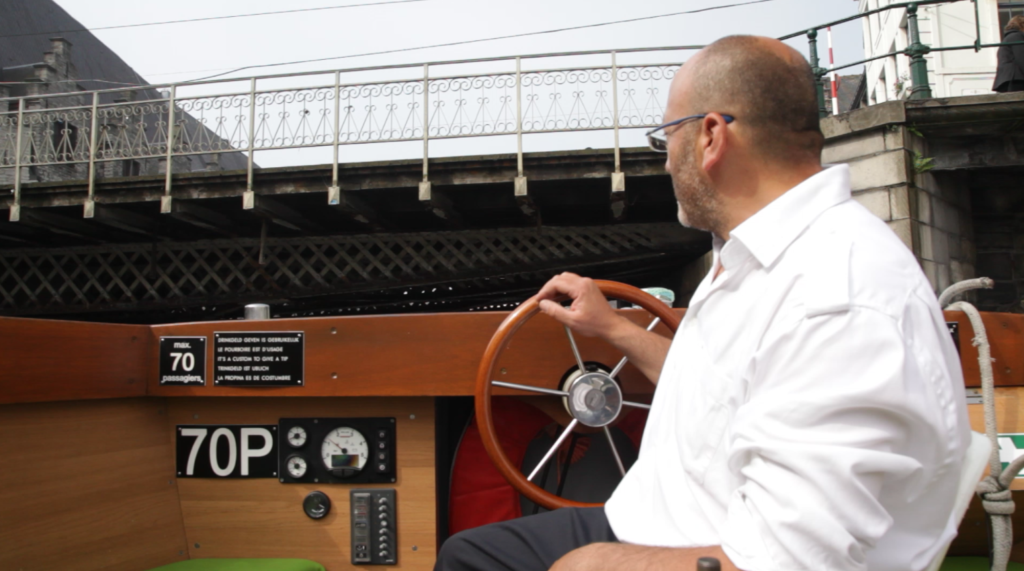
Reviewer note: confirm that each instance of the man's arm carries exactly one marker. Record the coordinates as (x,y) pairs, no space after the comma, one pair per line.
(619,556)
(591,316)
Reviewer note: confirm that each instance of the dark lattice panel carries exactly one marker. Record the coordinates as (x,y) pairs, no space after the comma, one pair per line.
(169,274)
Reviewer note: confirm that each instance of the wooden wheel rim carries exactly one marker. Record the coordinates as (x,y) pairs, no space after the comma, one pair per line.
(508,327)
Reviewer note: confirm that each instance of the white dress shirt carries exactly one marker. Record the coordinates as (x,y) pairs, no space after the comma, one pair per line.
(810,413)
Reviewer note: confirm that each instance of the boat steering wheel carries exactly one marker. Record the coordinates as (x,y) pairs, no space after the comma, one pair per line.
(593,398)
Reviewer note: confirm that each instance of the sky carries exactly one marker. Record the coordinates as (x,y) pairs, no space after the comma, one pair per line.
(180,52)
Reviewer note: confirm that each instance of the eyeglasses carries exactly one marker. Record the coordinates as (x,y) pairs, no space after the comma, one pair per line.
(659,142)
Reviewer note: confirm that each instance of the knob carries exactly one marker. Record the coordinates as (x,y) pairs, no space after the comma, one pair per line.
(384,554)
(708,564)
(384,523)
(382,501)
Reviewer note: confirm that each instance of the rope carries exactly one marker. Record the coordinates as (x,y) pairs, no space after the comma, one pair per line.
(961,287)
(994,490)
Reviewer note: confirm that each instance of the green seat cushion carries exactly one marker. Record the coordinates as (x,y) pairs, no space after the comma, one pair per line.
(243,565)
(973,564)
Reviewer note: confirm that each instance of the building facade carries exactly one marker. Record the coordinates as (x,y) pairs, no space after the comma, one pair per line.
(951,73)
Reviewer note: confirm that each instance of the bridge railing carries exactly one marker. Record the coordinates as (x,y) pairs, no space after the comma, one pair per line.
(83,131)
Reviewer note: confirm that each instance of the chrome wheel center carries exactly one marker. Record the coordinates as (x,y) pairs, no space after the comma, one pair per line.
(594,399)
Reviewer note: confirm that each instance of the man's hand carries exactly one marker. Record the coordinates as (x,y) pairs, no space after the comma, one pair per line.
(619,556)
(591,316)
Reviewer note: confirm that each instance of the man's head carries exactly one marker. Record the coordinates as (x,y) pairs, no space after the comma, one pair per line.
(722,172)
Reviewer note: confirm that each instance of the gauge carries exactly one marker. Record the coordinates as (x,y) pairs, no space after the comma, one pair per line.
(296,436)
(344,451)
(296,466)
(316,505)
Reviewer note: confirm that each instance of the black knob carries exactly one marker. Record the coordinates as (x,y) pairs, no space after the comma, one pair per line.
(708,564)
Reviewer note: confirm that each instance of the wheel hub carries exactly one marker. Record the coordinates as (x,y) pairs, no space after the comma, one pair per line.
(594,399)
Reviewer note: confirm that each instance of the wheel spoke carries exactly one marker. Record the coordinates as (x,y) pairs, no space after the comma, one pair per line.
(551,452)
(575,349)
(615,452)
(636,404)
(529,388)
(624,360)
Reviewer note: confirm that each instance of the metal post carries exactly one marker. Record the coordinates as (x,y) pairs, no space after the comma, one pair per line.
(618,177)
(165,200)
(14,214)
(520,183)
(819,72)
(334,192)
(89,208)
(425,183)
(248,198)
(977,28)
(832,79)
(918,65)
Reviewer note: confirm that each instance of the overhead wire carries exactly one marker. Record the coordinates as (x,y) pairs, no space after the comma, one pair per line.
(228,17)
(480,40)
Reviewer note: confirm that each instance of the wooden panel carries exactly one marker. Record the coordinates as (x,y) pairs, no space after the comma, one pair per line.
(1006,336)
(88,485)
(68,360)
(264,518)
(1008,417)
(407,355)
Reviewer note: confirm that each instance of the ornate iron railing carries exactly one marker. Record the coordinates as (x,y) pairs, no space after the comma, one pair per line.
(331,109)
(513,96)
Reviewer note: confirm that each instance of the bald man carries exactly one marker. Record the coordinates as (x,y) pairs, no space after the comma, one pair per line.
(809,413)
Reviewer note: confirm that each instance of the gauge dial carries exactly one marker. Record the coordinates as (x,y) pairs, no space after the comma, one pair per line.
(296,466)
(296,436)
(344,451)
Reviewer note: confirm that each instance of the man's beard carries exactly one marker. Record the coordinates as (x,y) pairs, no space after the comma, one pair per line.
(699,204)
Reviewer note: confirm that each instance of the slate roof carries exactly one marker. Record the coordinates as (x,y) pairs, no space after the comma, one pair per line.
(26,27)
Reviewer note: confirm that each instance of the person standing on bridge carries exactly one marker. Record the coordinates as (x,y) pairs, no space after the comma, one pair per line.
(1010,70)
(809,413)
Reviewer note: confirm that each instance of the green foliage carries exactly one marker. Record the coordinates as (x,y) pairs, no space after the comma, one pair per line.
(922,164)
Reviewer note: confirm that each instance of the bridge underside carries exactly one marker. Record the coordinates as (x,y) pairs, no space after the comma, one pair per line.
(472,244)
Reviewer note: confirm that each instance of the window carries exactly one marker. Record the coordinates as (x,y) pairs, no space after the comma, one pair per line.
(1007,10)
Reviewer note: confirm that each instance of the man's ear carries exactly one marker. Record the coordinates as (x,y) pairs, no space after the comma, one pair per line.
(714,140)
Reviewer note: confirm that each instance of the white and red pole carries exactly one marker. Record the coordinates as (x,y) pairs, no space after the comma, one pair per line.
(832,75)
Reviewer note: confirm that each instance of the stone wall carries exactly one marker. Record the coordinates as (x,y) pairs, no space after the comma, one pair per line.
(930,212)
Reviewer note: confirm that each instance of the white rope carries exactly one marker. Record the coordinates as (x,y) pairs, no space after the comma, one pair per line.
(961,287)
(994,490)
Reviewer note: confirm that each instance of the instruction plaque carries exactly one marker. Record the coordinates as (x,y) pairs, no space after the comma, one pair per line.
(258,358)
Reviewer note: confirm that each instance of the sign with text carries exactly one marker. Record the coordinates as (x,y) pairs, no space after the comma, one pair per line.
(258,358)
(1011,447)
(183,360)
(226,451)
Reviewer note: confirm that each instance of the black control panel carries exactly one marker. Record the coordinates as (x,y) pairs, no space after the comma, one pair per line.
(336,450)
(374,527)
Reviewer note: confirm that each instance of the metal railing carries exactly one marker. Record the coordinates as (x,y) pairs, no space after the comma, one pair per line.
(84,131)
(328,109)
(915,50)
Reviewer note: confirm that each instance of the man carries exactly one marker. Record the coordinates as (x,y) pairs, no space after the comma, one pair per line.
(809,413)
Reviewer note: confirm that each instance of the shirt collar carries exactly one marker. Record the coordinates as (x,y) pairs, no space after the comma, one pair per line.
(772,229)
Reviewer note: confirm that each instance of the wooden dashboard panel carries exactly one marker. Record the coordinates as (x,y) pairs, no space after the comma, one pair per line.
(406,355)
(88,485)
(264,518)
(47,360)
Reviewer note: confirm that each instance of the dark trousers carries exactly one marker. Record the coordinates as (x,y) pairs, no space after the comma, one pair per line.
(531,543)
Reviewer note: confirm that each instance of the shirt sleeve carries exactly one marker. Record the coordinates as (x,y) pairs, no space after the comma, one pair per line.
(829,414)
